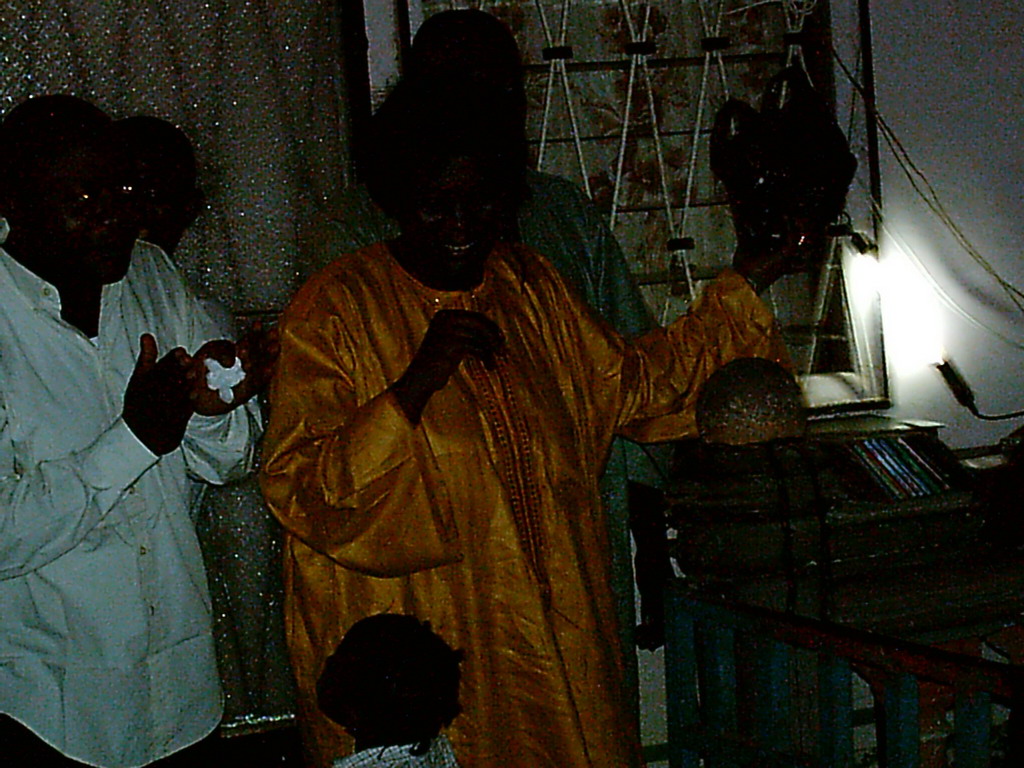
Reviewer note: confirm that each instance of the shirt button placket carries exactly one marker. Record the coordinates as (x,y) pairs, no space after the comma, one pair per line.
(147,578)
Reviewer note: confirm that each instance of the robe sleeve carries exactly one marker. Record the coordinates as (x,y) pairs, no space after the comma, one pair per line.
(216,449)
(647,390)
(351,477)
(727,322)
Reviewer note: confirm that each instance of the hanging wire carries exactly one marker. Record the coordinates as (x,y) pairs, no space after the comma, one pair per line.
(640,60)
(795,9)
(570,108)
(750,6)
(549,42)
(800,9)
(557,68)
(630,85)
(660,151)
(936,287)
(705,24)
(930,196)
(851,117)
(694,149)
(944,297)
(719,60)
(796,12)
(695,144)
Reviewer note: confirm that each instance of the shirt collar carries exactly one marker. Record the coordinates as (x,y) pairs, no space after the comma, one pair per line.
(37,291)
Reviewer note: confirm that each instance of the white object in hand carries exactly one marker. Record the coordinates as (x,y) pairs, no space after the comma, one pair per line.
(223,379)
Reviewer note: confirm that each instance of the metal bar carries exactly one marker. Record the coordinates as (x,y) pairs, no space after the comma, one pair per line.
(1015,728)
(900,738)
(835,707)
(972,730)
(662,63)
(606,137)
(886,653)
(701,679)
(716,654)
(773,696)
(680,682)
(665,277)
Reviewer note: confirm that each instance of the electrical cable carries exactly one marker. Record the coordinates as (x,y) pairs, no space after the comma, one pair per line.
(920,184)
(939,290)
(964,395)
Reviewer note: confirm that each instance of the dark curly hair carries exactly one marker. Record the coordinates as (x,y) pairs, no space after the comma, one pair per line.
(43,129)
(424,124)
(391,680)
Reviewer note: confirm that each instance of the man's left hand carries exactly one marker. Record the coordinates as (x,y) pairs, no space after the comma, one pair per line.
(257,351)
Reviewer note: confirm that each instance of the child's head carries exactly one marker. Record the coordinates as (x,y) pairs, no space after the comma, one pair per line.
(391,681)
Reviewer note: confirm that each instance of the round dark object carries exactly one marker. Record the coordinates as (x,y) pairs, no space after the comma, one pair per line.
(750,400)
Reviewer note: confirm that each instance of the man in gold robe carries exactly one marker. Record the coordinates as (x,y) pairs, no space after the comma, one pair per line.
(475,504)
(484,518)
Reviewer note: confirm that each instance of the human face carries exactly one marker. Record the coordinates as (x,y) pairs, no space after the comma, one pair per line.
(167,202)
(74,214)
(452,223)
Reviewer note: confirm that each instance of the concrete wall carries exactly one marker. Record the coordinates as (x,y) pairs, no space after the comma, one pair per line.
(949,84)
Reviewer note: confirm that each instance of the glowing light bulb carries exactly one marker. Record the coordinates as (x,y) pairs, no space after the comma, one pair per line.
(910,314)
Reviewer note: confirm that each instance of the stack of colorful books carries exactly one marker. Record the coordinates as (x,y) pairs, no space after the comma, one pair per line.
(901,469)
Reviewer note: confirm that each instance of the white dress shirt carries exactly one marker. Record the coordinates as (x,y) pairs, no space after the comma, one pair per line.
(106,650)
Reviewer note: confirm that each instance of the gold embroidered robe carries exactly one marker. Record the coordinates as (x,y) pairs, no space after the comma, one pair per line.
(484,518)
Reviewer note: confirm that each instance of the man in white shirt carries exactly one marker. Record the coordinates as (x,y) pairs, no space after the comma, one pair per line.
(106,654)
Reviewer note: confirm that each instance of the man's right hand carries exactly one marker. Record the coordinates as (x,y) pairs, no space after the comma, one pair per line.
(156,402)
(453,335)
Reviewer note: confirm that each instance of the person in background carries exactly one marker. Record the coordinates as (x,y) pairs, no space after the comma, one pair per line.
(251,654)
(439,422)
(164,183)
(106,653)
(393,685)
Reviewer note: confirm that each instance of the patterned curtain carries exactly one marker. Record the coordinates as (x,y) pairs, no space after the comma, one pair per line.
(255,84)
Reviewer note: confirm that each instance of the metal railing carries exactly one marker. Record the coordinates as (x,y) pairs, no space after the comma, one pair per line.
(735,698)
